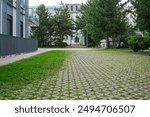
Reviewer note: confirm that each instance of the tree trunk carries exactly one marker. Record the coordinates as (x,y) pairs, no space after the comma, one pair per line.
(87,42)
(114,40)
(108,44)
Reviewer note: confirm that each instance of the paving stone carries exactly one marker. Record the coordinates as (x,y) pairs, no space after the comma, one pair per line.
(89,75)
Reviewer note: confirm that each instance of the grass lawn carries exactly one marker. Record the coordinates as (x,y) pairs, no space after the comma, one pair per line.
(117,51)
(123,51)
(19,74)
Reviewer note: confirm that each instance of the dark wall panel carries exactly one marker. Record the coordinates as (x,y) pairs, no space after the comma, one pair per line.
(15,45)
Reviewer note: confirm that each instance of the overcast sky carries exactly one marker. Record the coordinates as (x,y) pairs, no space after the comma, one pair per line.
(53,2)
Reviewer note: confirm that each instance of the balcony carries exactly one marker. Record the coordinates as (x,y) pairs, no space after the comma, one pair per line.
(33,18)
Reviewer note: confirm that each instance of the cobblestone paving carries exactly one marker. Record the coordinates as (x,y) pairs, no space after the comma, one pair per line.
(92,75)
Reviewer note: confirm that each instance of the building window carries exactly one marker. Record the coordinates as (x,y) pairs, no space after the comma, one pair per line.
(71,37)
(77,39)
(67,7)
(21,10)
(76,8)
(9,25)
(71,8)
(21,29)
(22,3)
(10,1)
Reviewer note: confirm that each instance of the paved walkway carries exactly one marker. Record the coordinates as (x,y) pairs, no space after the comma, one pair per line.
(94,75)
(14,58)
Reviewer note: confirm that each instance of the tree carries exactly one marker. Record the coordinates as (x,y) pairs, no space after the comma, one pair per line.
(143,14)
(103,19)
(63,25)
(52,30)
(80,22)
(41,32)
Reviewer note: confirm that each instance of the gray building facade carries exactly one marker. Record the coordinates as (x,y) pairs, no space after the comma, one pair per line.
(14,28)
(33,19)
(14,18)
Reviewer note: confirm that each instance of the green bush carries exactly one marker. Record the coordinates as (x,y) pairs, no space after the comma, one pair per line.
(61,44)
(137,43)
(146,42)
(134,43)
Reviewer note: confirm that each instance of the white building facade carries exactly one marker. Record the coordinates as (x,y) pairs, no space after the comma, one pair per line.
(76,37)
(74,12)
(131,16)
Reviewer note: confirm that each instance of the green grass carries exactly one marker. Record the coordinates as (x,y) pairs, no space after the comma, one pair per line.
(123,51)
(116,51)
(19,74)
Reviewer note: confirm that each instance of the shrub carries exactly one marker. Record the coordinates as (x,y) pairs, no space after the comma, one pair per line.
(134,43)
(61,44)
(137,43)
(146,42)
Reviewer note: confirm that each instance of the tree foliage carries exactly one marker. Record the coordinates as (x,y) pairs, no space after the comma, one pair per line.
(52,29)
(63,25)
(142,10)
(143,14)
(102,19)
(40,32)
